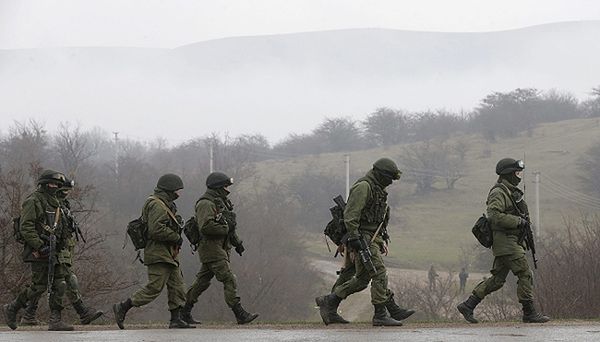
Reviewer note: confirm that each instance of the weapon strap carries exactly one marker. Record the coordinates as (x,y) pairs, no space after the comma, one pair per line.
(168,210)
(381,224)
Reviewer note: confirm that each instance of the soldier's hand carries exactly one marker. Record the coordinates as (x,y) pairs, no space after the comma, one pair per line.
(341,249)
(353,243)
(383,248)
(239,249)
(523,224)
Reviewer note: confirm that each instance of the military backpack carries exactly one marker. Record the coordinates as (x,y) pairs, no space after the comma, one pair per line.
(192,232)
(336,229)
(483,232)
(138,231)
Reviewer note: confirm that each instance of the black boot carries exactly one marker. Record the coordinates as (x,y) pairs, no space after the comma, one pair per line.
(120,310)
(28,317)
(396,311)
(176,321)
(86,314)
(381,318)
(10,313)
(241,315)
(530,315)
(186,314)
(466,308)
(56,324)
(328,306)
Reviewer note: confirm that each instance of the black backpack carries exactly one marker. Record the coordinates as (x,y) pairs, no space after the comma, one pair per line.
(138,231)
(483,232)
(192,232)
(17,230)
(336,229)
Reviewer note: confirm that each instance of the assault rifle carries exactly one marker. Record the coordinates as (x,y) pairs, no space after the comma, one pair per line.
(366,256)
(52,251)
(340,207)
(527,236)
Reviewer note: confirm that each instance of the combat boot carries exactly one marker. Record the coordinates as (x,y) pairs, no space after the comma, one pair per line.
(328,308)
(467,307)
(530,315)
(381,318)
(186,314)
(28,317)
(120,310)
(396,311)
(56,324)
(176,321)
(10,313)
(241,315)
(86,314)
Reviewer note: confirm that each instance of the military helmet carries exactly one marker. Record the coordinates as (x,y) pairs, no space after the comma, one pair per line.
(51,176)
(218,180)
(508,165)
(387,167)
(170,182)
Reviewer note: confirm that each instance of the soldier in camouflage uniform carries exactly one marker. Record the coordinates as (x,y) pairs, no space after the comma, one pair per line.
(364,214)
(41,218)
(217,224)
(508,223)
(86,314)
(161,254)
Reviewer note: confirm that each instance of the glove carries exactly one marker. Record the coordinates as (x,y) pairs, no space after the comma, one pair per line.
(239,249)
(523,224)
(44,252)
(353,243)
(180,242)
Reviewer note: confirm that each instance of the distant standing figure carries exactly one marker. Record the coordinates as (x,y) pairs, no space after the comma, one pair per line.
(462,276)
(432,274)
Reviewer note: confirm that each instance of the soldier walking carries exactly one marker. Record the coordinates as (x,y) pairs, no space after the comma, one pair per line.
(507,213)
(44,234)
(462,278)
(86,314)
(217,225)
(161,254)
(364,217)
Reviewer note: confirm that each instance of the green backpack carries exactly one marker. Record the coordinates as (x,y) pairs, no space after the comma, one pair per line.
(138,231)
(336,229)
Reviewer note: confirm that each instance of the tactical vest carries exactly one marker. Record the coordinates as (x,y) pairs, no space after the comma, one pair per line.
(375,208)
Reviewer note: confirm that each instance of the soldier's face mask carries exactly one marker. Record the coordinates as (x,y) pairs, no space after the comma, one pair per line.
(519,174)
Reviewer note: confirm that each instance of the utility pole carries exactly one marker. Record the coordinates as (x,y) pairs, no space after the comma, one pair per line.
(116,152)
(211,155)
(538,223)
(347,162)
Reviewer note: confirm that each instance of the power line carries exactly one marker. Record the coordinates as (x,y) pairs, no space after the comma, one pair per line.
(570,197)
(574,193)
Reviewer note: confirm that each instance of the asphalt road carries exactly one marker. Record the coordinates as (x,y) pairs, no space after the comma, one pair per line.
(562,331)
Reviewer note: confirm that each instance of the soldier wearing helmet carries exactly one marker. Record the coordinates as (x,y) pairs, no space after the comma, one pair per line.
(217,224)
(86,313)
(508,216)
(161,254)
(42,217)
(366,216)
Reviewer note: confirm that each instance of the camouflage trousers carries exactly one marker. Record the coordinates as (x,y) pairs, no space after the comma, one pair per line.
(159,275)
(221,270)
(71,288)
(380,293)
(502,265)
(39,284)
(346,272)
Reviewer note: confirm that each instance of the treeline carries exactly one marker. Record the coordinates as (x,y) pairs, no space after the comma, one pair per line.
(497,115)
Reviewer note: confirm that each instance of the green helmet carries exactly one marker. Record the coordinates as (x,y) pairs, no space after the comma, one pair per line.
(218,180)
(387,167)
(51,176)
(170,182)
(509,165)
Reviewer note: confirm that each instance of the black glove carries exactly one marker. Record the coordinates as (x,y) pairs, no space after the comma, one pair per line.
(239,249)
(523,224)
(353,243)
(44,251)
(180,242)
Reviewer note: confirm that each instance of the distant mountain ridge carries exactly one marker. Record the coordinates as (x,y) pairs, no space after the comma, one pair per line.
(286,83)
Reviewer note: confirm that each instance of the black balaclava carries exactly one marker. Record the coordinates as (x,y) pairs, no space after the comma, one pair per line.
(511,178)
(382,178)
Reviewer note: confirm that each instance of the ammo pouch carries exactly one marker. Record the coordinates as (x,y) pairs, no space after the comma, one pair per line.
(138,231)
(192,232)
(483,232)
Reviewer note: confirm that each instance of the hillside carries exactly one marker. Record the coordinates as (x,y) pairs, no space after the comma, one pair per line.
(279,84)
(433,228)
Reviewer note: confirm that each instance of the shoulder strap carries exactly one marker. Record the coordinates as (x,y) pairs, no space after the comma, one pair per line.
(167,208)
(507,192)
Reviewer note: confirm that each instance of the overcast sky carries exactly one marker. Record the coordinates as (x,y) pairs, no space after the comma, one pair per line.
(171,23)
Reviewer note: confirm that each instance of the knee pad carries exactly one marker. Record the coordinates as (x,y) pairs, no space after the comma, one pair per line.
(60,286)
(73,282)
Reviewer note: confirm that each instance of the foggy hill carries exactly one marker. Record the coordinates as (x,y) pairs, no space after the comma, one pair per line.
(280,84)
